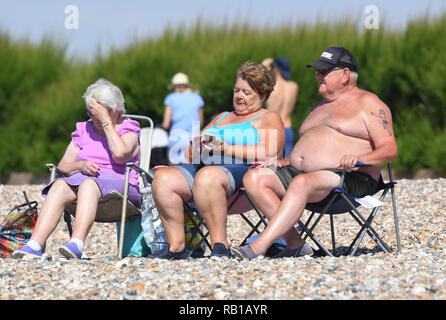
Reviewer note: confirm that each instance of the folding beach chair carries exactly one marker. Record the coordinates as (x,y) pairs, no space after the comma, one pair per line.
(340,201)
(197,234)
(195,228)
(115,207)
(238,204)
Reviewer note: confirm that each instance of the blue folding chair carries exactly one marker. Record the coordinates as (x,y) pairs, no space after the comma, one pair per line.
(339,201)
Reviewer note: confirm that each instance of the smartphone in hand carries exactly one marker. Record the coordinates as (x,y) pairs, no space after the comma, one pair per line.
(209,139)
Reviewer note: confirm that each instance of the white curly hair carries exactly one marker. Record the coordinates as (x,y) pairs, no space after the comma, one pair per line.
(106,93)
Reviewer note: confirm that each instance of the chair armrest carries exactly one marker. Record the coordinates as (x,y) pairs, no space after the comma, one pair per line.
(55,171)
(359,164)
(147,177)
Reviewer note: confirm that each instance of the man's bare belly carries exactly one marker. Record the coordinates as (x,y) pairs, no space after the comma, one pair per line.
(322,147)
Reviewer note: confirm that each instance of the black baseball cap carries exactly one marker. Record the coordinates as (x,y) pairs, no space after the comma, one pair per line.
(335,57)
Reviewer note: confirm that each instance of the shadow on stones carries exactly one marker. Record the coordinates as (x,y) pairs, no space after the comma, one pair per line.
(343,251)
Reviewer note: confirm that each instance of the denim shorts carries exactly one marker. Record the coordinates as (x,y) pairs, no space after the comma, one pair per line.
(234,172)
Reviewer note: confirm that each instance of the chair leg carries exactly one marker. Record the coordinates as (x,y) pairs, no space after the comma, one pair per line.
(254,228)
(67,219)
(395,214)
(124,211)
(309,231)
(310,234)
(366,227)
(203,238)
(197,225)
(307,223)
(395,218)
(333,240)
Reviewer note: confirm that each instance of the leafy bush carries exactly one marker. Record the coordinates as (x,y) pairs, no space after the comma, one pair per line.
(24,70)
(420,144)
(41,89)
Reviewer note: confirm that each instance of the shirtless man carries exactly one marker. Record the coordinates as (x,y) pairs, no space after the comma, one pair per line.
(353,125)
(283,98)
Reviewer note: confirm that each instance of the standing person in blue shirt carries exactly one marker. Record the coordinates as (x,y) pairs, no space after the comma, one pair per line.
(184,116)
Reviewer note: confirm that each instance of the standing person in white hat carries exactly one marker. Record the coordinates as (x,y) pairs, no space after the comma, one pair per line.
(183,112)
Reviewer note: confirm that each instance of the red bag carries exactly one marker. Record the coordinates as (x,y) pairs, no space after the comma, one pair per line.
(17,227)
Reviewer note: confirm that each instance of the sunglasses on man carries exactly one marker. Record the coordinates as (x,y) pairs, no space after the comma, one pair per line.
(327,71)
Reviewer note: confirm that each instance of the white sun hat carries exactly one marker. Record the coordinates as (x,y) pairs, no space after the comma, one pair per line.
(179,79)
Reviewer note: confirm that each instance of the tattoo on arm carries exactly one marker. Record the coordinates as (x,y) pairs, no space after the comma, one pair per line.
(382,116)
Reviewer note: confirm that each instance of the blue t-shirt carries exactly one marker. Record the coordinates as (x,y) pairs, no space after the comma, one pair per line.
(185,109)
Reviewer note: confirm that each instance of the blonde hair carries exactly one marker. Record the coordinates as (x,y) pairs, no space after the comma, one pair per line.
(260,79)
(106,93)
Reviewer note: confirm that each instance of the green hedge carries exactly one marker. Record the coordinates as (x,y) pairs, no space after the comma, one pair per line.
(41,89)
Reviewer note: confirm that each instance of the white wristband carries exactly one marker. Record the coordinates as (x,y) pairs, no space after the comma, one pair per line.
(105,123)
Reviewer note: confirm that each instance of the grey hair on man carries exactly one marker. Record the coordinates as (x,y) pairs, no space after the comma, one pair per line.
(106,93)
(354,76)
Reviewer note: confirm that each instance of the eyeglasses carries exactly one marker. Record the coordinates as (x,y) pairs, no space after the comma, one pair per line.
(327,71)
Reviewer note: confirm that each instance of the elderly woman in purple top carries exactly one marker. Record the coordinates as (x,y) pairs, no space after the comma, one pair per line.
(94,163)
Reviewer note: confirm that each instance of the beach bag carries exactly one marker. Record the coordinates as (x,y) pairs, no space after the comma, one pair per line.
(152,227)
(134,244)
(17,227)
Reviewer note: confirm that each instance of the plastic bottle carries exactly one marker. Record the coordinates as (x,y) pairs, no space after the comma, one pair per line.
(153,230)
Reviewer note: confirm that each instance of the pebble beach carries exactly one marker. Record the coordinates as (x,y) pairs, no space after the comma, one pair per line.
(418,272)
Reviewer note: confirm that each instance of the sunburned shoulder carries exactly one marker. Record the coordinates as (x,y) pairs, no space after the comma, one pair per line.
(369,99)
(269,117)
(270,114)
(293,84)
(372,105)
